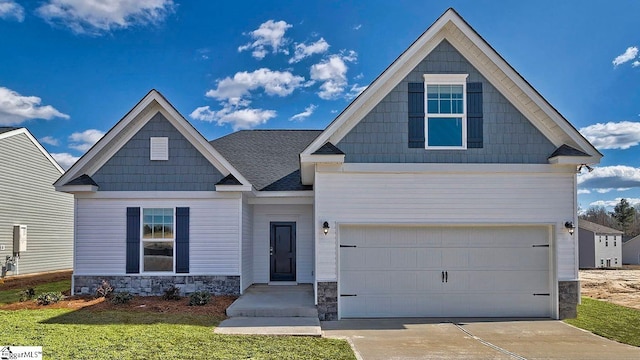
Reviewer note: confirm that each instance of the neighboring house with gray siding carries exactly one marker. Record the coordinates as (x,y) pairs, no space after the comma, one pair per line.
(631,251)
(28,198)
(599,246)
(446,189)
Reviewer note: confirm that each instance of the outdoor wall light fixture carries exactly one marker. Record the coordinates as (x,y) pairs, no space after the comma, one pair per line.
(325,228)
(570,227)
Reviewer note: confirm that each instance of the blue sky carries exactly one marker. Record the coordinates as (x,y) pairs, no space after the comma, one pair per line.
(70,69)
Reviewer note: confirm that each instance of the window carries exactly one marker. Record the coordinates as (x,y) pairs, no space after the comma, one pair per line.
(616,260)
(614,241)
(601,262)
(606,243)
(600,238)
(157,240)
(159,148)
(446,111)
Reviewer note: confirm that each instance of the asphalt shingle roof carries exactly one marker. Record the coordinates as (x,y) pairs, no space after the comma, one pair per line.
(82,180)
(566,150)
(597,228)
(269,159)
(4,129)
(328,149)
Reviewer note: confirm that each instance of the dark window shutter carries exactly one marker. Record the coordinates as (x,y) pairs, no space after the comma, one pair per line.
(474,116)
(182,240)
(133,240)
(416,115)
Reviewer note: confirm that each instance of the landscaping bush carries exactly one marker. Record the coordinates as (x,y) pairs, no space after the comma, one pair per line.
(172,293)
(27,294)
(121,297)
(105,289)
(49,298)
(199,298)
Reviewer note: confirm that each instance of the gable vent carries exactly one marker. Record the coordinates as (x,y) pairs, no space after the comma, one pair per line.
(159,148)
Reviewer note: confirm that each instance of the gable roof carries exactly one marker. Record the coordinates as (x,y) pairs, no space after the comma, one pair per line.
(6,132)
(269,159)
(637,238)
(597,228)
(452,27)
(129,125)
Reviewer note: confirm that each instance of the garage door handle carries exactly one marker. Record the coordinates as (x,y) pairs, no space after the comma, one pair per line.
(442,273)
(543,294)
(545,245)
(446,276)
(350,246)
(348,295)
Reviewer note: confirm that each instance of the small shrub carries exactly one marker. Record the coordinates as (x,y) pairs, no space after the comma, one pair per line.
(121,297)
(27,294)
(105,289)
(199,298)
(172,293)
(49,298)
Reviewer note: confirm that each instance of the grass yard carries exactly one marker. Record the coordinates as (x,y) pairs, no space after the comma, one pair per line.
(608,320)
(13,295)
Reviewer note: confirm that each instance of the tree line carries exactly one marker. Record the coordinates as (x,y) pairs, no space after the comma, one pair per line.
(624,217)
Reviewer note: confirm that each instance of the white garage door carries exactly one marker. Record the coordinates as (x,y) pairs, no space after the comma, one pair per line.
(388,271)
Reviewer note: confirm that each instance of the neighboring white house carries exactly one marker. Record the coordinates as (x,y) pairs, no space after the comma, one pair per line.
(600,246)
(30,208)
(446,189)
(631,251)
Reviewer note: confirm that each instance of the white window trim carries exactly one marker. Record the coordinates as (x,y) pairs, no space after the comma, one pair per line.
(161,145)
(446,79)
(142,241)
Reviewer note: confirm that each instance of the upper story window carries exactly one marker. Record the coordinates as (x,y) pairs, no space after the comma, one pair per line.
(446,111)
(159,148)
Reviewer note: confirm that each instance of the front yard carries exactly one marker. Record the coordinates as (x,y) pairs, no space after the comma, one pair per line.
(146,328)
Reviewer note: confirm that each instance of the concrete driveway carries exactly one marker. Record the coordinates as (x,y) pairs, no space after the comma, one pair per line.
(474,339)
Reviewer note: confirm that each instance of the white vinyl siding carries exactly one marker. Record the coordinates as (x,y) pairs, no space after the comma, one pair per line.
(27,197)
(214,234)
(442,198)
(302,215)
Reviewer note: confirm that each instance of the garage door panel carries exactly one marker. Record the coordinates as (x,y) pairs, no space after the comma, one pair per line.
(397,271)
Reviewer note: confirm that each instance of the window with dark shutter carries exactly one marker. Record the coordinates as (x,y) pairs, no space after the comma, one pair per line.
(133,240)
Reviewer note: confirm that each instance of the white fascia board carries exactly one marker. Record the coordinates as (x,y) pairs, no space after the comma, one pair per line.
(573,160)
(73,189)
(281,201)
(154,195)
(447,168)
(36,143)
(233,188)
(333,159)
(307,173)
(281,194)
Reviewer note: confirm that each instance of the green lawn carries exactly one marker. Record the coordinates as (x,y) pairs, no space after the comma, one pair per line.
(11,296)
(612,321)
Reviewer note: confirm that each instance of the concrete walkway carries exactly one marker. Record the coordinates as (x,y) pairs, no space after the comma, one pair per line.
(273,310)
(474,339)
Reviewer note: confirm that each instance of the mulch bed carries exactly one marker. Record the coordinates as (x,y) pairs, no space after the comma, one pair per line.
(27,281)
(156,304)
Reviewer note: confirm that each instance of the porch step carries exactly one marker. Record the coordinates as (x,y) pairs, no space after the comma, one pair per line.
(292,326)
(275,301)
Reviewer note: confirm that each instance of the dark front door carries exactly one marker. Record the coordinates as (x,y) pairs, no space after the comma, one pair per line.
(283,251)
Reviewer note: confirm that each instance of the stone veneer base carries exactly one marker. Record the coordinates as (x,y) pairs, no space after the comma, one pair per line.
(568,297)
(327,300)
(146,285)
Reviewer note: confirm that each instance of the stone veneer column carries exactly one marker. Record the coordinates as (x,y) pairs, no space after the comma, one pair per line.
(327,300)
(568,298)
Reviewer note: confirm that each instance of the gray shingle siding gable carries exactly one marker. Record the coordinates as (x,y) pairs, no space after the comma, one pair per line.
(382,135)
(131,170)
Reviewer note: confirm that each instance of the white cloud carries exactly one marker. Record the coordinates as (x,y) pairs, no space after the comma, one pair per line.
(332,72)
(613,135)
(583,191)
(83,141)
(357,27)
(308,111)
(269,34)
(613,203)
(356,90)
(628,55)
(65,160)
(281,83)
(610,177)
(303,50)
(635,63)
(244,118)
(16,109)
(100,16)
(50,140)
(9,9)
